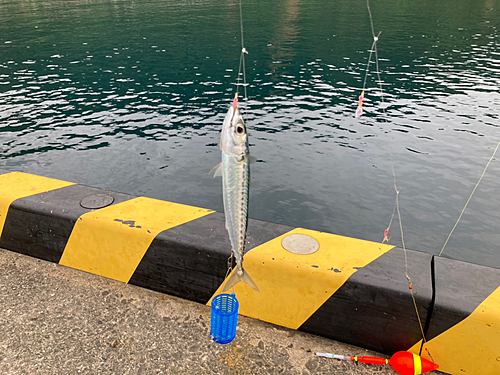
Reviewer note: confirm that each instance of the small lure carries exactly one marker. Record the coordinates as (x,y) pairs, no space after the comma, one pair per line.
(386,232)
(359,111)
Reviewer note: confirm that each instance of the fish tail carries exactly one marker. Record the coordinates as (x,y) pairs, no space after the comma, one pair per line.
(236,277)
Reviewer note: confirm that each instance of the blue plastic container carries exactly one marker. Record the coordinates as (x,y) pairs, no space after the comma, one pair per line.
(224,318)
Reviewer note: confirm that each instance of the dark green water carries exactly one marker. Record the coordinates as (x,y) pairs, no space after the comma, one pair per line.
(130,96)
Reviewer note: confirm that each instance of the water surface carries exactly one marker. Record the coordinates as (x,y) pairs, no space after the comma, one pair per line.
(130,96)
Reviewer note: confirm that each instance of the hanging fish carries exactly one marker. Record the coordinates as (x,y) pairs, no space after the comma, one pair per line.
(235,172)
(359,111)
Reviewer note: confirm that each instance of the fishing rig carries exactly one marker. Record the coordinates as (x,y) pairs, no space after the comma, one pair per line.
(386,238)
(225,306)
(358,113)
(373,50)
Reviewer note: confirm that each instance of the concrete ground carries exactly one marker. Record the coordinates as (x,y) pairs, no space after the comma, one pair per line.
(56,320)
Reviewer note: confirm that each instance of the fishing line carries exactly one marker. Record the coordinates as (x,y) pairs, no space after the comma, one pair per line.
(374,50)
(375,39)
(368,64)
(396,206)
(242,59)
(470,197)
(386,232)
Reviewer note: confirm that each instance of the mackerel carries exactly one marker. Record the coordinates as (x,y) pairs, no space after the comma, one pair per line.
(235,172)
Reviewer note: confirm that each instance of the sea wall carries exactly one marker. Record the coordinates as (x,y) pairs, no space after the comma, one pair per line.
(349,290)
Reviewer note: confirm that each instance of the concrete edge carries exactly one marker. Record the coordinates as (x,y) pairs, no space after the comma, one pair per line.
(370,307)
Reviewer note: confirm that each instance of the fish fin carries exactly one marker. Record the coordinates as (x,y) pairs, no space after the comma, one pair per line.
(235,278)
(217,170)
(248,280)
(251,159)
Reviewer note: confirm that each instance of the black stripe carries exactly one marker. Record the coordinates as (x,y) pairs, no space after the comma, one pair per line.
(40,225)
(460,289)
(374,308)
(190,260)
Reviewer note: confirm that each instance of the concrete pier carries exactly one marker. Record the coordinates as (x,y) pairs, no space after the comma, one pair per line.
(57,320)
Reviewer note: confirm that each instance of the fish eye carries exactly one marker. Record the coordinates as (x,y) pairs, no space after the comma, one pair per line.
(240,130)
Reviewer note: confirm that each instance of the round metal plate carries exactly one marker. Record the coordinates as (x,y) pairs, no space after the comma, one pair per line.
(95,201)
(300,244)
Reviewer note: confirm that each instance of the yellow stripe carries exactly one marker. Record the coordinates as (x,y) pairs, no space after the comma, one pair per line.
(417,364)
(111,242)
(292,287)
(472,346)
(16,185)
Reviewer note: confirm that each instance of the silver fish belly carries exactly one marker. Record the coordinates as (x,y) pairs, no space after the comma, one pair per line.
(235,188)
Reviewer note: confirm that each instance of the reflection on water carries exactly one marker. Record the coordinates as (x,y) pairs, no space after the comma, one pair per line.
(283,51)
(130,96)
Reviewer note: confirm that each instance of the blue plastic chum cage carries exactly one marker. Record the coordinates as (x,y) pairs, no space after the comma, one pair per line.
(224,318)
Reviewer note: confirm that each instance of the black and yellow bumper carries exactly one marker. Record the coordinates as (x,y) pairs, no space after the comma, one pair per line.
(349,290)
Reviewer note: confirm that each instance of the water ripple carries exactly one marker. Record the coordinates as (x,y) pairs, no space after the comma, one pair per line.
(131,97)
